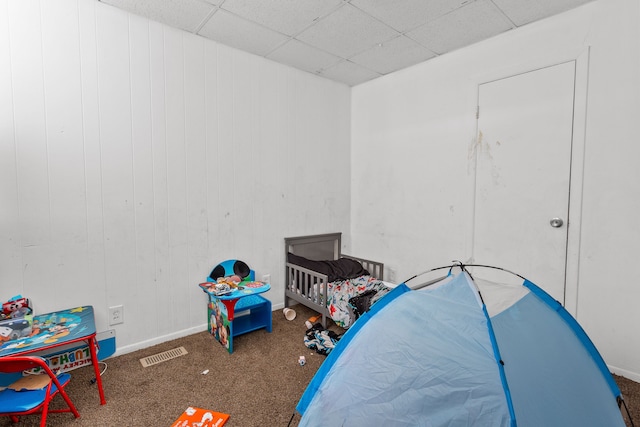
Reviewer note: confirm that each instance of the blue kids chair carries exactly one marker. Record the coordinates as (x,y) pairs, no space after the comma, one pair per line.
(33,398)
(223,324)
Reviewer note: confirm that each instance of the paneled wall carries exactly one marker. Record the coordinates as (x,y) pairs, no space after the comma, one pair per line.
(415,132)
(134,157)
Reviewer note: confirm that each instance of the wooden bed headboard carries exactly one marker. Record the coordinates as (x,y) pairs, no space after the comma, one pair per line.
(319,247)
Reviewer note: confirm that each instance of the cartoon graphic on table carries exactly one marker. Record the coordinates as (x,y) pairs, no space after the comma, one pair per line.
(49,329)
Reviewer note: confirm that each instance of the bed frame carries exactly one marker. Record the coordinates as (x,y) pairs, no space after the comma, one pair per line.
(308,287)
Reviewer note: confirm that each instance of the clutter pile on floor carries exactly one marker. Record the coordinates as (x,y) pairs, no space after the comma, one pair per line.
(321,340)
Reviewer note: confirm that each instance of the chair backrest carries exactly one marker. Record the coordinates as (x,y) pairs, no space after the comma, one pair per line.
(9,364)
(231,267)
(19,364)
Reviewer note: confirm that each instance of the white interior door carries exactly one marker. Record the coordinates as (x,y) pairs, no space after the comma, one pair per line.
(523,164)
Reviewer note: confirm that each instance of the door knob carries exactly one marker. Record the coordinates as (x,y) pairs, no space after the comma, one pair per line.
(556,222)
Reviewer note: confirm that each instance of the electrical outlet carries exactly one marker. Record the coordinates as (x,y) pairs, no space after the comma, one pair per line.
(266,278)
(116,315)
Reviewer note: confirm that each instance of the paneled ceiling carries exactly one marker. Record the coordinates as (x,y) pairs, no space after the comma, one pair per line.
(350,41)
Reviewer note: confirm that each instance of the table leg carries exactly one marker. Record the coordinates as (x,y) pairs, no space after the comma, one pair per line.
(230,304)
(96,367)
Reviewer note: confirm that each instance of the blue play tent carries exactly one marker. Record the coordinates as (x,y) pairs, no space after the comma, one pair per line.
(464,352)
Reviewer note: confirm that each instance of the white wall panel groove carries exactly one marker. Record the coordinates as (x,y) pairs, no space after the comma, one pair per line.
(29,114)
(116,148)
(95,284)
(11,249)
(143,185)
(161,279)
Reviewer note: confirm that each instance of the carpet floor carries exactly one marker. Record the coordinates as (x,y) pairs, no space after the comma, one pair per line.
(258,385)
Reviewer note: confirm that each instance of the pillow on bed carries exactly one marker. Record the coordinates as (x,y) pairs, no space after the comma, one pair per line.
(340,269)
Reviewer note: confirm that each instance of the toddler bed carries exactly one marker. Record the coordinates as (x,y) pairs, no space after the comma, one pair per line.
(322,278)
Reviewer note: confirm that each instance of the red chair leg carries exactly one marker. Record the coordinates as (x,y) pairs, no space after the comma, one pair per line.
(45,406)
(72,407)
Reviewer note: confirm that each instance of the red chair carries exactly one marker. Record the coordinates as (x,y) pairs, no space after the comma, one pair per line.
(14,403)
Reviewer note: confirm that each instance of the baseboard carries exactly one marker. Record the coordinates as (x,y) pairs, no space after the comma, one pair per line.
(164,338)
(633,376)
(159,340)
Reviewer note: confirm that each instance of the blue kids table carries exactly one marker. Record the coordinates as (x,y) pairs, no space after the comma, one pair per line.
(53,330)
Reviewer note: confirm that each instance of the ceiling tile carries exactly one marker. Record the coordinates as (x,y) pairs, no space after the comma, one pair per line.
(346,32)
(286,16)
(411,14)
(183,14)
(303,56)
(469,24)
(233,31)
(349,73)
(393,55)
(377,37)
(522,12)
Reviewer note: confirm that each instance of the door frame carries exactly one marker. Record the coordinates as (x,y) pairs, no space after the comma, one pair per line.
(576,168)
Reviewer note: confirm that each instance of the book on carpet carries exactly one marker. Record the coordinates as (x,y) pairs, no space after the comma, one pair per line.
(201,418)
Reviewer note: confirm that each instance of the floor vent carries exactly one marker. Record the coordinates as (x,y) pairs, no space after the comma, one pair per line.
(163,357)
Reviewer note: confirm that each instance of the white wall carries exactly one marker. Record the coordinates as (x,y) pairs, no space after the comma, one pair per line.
(412,136)
(134,157)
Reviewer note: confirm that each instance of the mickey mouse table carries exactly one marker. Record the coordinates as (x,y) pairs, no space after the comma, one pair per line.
(57,329)
(254,310)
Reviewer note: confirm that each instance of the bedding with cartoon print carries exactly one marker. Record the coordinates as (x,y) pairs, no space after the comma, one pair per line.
(341,310)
